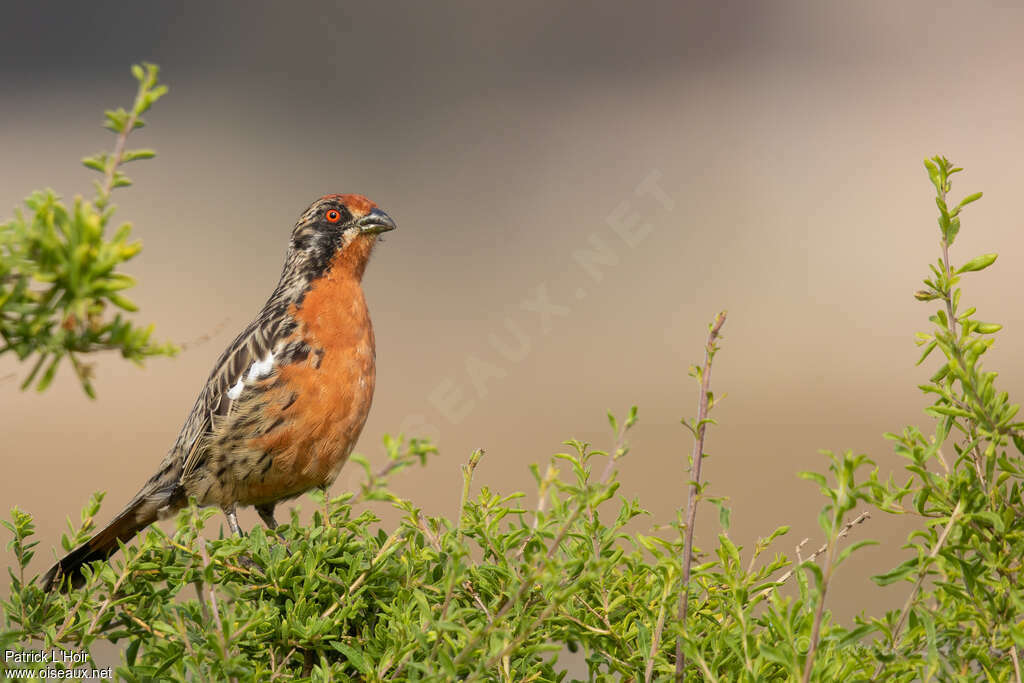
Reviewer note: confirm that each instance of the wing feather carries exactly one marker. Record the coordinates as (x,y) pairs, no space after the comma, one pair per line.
(253,346)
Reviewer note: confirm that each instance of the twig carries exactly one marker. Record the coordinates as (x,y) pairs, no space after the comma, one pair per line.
(827,570)
(542,499)
(362,577)
(374,478)
(198,585)
(72,613)
(308,660)
(185,639)
(213,600)
(526,585)
(226,647)
(437,641)
(110,173)
(518,640)
(583,624)
(698,456)
(922,572)
(273,670)
(656,639)
(430,535)
(528,581)
(619,451)
(620,446)
(799,557)
(476,598)
(144,625)
(947,297)
(859,519)
(106,603)
(467,480)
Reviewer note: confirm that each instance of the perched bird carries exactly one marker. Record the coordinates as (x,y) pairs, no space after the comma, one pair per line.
(286,400)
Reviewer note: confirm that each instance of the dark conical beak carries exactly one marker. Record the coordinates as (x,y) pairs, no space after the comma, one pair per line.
(376,222)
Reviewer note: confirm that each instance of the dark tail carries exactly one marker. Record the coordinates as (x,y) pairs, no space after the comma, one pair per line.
(140,513)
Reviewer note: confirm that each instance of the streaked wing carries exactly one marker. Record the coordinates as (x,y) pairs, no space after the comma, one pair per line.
(249,357)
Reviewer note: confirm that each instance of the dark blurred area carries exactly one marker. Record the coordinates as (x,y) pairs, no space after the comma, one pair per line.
(579,188)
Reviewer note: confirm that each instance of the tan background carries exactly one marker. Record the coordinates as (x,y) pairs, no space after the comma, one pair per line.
(786,138)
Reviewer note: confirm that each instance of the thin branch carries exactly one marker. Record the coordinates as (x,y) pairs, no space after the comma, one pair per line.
(115,160)
(542,498)
(859,519)
(467,480)
(427,533)
(476,598)
(213,605)
(659,627)
(528,582)
(106,603)
(362,577)
(827,570)
(922,572)
(619,452)
(203,609)
(518,640)
(947,297)
(437,641)
(698,457)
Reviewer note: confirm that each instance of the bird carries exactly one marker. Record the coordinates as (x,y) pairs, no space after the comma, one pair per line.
(286,400)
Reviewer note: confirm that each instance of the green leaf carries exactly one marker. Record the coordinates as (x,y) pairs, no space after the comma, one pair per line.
(355,658)
(900,573)
(927,351)
(724,516)
(48,376)
(136,154)
(978,263)
(969,199)
(933,174)
(852,548)
(816,477)
(122,302)
(96,163)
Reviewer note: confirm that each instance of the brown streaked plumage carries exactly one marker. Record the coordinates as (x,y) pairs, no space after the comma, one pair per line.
(285,402)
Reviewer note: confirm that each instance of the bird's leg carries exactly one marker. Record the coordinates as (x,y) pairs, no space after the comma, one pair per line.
(266,513)
(244,560)
(229,512)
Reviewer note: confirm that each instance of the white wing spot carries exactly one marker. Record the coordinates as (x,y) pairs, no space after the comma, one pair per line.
(236,391)
(261,368)
(257,370)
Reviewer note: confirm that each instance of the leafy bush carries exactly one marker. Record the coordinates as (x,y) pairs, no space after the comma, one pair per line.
(59,272)
(503,591)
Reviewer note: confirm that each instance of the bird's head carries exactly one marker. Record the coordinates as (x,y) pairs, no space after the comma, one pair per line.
(337,232)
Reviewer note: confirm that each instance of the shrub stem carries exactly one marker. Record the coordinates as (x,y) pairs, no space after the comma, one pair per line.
(698,429)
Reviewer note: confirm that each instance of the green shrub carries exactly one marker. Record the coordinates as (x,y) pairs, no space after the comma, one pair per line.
(59,274)
(503,592)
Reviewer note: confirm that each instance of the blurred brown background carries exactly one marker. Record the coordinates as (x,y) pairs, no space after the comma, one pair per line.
(765,158)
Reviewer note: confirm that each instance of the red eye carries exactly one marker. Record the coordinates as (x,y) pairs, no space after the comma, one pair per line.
(333,216)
